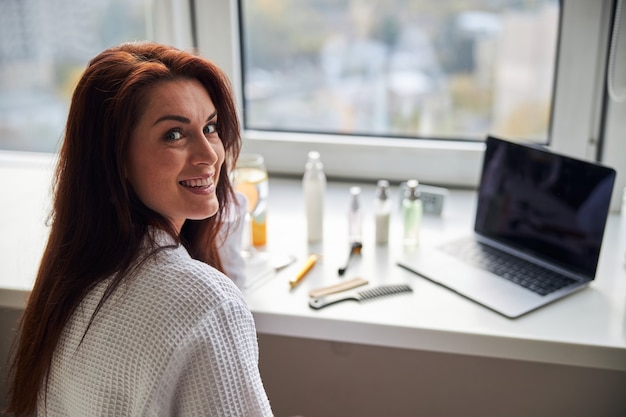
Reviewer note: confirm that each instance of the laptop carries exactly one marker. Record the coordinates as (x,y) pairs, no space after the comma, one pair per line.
(538,229)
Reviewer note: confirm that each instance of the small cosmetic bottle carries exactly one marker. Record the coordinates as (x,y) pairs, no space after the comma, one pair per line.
(412,211)
(382,212)
(314,185)
(355,216)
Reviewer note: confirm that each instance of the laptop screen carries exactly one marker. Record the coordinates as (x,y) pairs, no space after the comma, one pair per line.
(544,204)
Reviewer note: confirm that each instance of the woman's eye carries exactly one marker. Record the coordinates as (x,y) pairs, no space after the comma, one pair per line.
(211,128)
(173,135)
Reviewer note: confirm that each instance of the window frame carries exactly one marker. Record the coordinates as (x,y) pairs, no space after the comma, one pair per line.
(574,130)
(613,124)
(586,123)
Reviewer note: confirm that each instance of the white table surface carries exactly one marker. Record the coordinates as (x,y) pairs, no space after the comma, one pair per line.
(25,187)
(587,328)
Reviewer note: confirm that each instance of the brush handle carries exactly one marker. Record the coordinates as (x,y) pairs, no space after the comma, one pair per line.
(380,291)
(326,300)
(333,289)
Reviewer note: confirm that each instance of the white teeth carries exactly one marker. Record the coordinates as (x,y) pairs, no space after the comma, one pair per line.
(204,182)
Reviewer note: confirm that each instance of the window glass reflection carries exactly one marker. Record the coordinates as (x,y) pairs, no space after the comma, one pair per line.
(44,47)
(414,68)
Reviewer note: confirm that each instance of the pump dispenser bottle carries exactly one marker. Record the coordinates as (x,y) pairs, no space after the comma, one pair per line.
(412,211)
(314,186)
(382,212)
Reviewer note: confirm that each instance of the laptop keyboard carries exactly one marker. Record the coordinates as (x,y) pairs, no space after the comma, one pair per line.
(533,277)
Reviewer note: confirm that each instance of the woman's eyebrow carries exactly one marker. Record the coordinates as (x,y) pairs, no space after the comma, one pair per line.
(182,119)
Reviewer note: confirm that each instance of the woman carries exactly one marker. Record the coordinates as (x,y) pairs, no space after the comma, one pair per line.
(130,314)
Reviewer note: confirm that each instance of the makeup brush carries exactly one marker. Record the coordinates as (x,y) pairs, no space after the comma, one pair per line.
(355,249)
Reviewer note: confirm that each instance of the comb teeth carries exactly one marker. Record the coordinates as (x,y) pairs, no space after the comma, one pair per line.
(382,291)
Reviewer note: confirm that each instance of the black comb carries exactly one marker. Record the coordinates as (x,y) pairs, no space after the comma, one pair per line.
(381,291)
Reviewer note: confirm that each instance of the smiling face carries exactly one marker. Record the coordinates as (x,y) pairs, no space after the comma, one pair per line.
(175,153)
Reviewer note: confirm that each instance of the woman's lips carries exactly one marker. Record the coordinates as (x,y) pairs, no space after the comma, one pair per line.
(196,183)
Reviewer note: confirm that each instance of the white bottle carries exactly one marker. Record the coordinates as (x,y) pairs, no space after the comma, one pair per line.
(412,211)
(355,216)
(382,212)
(314,185)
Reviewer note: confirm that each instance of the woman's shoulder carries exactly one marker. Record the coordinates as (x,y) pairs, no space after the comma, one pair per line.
(174,280)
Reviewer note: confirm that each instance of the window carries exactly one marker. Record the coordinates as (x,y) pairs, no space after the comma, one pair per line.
(44,47)
(403,68)
(308,87)
(563,109)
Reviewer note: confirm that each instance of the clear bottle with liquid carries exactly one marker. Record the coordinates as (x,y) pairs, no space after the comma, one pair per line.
(355,216)
(314,186)
(412,211)
(382,212)
(250,178)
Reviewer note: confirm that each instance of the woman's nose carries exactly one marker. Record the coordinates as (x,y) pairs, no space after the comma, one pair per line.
(205,151)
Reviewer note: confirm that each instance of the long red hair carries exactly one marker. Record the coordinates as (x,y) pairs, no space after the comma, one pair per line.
(98,223)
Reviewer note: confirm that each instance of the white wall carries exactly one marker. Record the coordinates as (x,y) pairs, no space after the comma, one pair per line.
(315,378)
(9,319)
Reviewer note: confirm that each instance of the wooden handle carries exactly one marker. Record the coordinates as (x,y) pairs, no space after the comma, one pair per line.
(344,286)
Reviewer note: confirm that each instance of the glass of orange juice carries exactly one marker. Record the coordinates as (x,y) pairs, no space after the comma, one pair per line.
(250,179)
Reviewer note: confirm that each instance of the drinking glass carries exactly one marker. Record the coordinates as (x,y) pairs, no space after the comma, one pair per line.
(250,179)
